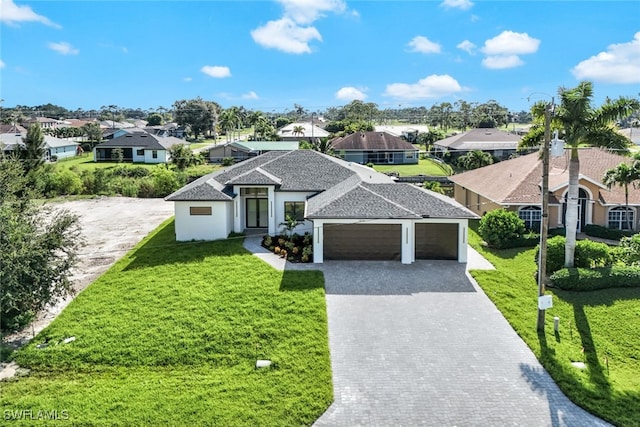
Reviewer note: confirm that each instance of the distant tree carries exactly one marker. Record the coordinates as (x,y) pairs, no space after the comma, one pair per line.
(183,157)
(92,132)
(320,145)
(282,122)
(623,175)
(33,152)
(199,115)
(117,155)
(298,130)
(38,249)
(428,138)
(154,119)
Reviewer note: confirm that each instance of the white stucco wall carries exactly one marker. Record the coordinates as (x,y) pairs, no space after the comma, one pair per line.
(148,156)
(203,227)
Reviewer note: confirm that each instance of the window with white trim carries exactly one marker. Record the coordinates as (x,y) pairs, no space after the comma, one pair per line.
(532,217)
(620,217)
(294,209)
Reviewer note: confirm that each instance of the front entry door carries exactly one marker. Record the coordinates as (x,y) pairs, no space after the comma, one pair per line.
(257,213)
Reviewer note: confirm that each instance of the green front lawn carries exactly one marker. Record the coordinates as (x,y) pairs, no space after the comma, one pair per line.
(170,335)
(599,328)
(424,167)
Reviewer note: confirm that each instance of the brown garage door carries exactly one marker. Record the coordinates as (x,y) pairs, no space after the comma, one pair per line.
(437,241)
(362,241)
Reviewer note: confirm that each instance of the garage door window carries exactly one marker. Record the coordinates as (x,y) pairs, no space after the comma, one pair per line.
(294,209)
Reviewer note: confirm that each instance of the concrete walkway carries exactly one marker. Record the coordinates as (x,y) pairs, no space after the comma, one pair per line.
(421,344)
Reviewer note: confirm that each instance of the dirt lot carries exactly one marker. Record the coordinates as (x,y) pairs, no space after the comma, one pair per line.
(111,227)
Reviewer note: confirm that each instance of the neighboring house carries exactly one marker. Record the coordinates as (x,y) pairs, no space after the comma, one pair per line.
(498,143)
(352,211)
(516,186)
(14,128)
(45,122)
(55,148)
(288,132)
(242,150)
(409,133)
(169,129)
(111,124)
(137,147)
(376,148)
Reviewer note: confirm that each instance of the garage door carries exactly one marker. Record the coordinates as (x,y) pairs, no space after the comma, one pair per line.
(437,241)
(362,241)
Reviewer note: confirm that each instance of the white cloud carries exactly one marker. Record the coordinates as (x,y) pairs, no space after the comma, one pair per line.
(619,64)
(510,43)
(422,44)
(467,46)
(502,61)
(216,71)
(63,48)
(504,49)
(285,35)
(350,93)
(2,64)
(308,11)
(293,32)
(12,14)
(433,86)
(250,95)
(457,4)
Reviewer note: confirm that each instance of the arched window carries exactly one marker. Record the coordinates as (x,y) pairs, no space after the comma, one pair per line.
(532,216)
(620,218)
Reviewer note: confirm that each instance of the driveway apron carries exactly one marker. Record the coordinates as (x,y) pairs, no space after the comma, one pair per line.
(421,344)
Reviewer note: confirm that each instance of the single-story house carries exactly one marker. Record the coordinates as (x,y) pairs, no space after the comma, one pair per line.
(242,150)
(12,128)
(309,132)
(137,147)
(498,143)
(352,211)
(44,122)
(375,147)
(55,148)
(516,185)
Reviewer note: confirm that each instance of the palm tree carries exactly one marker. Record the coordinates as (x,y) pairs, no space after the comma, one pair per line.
(298,130)
(623,175)
(475,159)
(581,124)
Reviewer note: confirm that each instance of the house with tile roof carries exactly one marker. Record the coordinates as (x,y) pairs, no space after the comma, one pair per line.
(352,211)
(375,147)
(137,147)
(516,185)
(242,150)
(500,144)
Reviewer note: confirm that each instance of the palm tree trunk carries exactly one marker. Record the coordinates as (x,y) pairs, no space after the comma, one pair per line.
(571,218)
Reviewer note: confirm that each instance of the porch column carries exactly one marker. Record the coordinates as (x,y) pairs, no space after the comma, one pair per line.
(318,255)
(272,211)
(463,240)
(408,242)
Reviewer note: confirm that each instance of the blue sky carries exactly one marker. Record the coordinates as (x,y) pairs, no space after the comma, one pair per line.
(270,55)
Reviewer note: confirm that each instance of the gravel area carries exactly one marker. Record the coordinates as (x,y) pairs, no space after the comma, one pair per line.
(111,226)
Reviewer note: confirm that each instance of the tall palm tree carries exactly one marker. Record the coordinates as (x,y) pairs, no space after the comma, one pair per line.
(581,124)
(623,175)
(475,159)
(298,130)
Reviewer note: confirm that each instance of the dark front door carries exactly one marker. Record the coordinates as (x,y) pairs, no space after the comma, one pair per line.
(257,213)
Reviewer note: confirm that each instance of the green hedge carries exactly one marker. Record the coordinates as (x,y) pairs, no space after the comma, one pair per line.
(526,241)
(584,279)
(606,233)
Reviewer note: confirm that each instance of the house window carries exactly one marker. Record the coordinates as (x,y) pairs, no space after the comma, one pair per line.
(154,154)
(200,210)
(294,209)
(620,217)
(532,216)
(140,152)
(254,192)
(408,155)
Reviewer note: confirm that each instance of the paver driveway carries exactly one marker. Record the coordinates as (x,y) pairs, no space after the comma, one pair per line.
(421,344)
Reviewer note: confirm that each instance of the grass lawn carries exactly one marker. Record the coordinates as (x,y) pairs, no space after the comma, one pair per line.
(599,328)
(170,335)
(424,167)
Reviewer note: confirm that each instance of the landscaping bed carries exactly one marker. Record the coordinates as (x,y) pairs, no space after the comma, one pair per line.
(294,248)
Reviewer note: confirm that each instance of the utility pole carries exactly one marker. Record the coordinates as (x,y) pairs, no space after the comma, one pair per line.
(544,226)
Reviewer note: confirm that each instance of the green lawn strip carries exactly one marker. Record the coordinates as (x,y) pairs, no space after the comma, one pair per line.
(599,328)
(424,167)
(174,330)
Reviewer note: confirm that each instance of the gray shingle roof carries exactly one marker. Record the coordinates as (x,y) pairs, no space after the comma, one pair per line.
(143,140)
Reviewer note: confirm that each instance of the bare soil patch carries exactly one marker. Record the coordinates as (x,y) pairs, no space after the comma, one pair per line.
(111,226)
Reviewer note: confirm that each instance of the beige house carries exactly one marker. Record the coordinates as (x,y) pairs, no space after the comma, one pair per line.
(516,185)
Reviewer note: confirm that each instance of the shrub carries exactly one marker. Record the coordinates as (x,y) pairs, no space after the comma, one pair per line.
(61,183)
(146,189)
(499,226)
(227,161)
(131,172)
(588,254)
(527,241)
(629,249)
(165,181)
(584,279)
(606,233)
